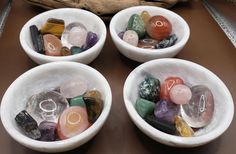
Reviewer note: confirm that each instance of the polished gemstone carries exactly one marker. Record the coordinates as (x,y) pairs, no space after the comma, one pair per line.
(52,45)
(73,121)
(136,24)
(48,131)
(47,105)
(199,111)
(37,39)
(76,86)
(77,101)
(149,89)
(158,27)
(121,34)
(65,51)
(75,34)
(53,26)
(183,128)
(167,85)
(28,125)
(91,40)
(180,94)
(144,107)
(166,111)
(145,16)
(131,37)
(147,43)
(167,42)
(75,50)
(94,94)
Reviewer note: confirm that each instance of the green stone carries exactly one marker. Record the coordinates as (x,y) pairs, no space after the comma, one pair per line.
(77,101)
(136,24)
(144,107)
(75,50)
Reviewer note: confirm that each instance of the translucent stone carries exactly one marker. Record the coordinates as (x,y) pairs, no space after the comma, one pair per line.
(75,34)
(76,50)
(76,86)
(37,39)
(53,26)
(65,51)
(136,24)
(158,27)
(180,94)
(47,105)
(48,131)
(166,111)
(145,16)
(199,111)
(52,45)
(144,107)
(131,37)
(169,41)
(28,125)
(73,121)
(147,43)
(91,40)
(183,128)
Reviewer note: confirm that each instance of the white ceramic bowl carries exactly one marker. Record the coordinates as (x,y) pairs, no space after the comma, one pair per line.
(179,27)
(90,20)
(45,77)
(190,73)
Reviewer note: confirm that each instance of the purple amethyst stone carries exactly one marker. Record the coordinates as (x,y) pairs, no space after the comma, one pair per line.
(121,34)
(48,131)
(91,40)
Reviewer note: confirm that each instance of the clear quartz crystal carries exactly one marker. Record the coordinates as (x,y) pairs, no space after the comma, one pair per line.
(47,105)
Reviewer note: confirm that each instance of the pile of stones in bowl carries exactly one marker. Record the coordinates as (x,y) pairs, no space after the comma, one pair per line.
(56,39)
(148,32)
(62,112)
(174,107)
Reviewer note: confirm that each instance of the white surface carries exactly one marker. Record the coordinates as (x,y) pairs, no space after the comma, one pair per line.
(91,21)
(179,27)
(191,73)
(49,76)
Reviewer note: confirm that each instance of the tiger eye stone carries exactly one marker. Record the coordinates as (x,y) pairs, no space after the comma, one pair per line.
(53,26)
(52,45)
(183,128)
(65,51)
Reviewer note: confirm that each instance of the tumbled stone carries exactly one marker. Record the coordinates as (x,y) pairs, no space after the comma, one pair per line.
(37,39)
(183,128)
(121,34)
(164,127)
(52,45)
(199,111)
(48,131)
(73,121)
(136,24)
(158,27)
(145,16)
(180,94)
(131,37)
(149,89)
(91,40)
(76,86)
(169,41)
(46,105)
(94,94)
(166,111)
(76,50)
(65,51)
(28,125)
(144,107)
(147,43)
(77,101)
(53,26)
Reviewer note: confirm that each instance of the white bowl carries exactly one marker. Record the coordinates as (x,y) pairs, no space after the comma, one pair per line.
(191,73)
(90,20)
(119,23)
(45,77)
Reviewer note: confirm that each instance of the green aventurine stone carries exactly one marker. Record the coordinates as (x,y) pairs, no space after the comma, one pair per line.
(136,24)
(77,101)
(144,107)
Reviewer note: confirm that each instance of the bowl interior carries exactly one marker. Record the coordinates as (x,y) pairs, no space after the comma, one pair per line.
(192,74)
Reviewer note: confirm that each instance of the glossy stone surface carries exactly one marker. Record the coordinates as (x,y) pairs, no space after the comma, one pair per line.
(75,50)
(145,16)
(52,45)
(149,89)
(144,107)
(76,86)
(164,127)
(65,51)
(136,24)
(121,34)
(94,94)
(158,27)
(28,125)
(167,85)
(147,43)
(47,105)
(48,131)
(77,101)
(73,121)
(180,94)
(166,111)
(37,39)
(199,111)
(131,37)
(183,128)
(169,41)
(91,40)
(53,26)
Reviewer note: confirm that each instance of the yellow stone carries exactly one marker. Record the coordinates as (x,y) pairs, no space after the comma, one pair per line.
(53,26)
(145,16)
(183,128)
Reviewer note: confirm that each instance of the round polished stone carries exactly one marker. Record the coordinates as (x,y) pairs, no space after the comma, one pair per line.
(91,40)
(52,45)
(180,94)
(136,24)
(48,131)
(199,111)
(131,37)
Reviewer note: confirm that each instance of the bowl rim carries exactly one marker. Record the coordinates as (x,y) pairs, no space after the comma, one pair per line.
(62,145)
(135,49)
(172,140)
(88,52)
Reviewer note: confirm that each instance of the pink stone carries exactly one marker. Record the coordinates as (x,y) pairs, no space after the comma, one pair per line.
(131,37)
(180,94)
